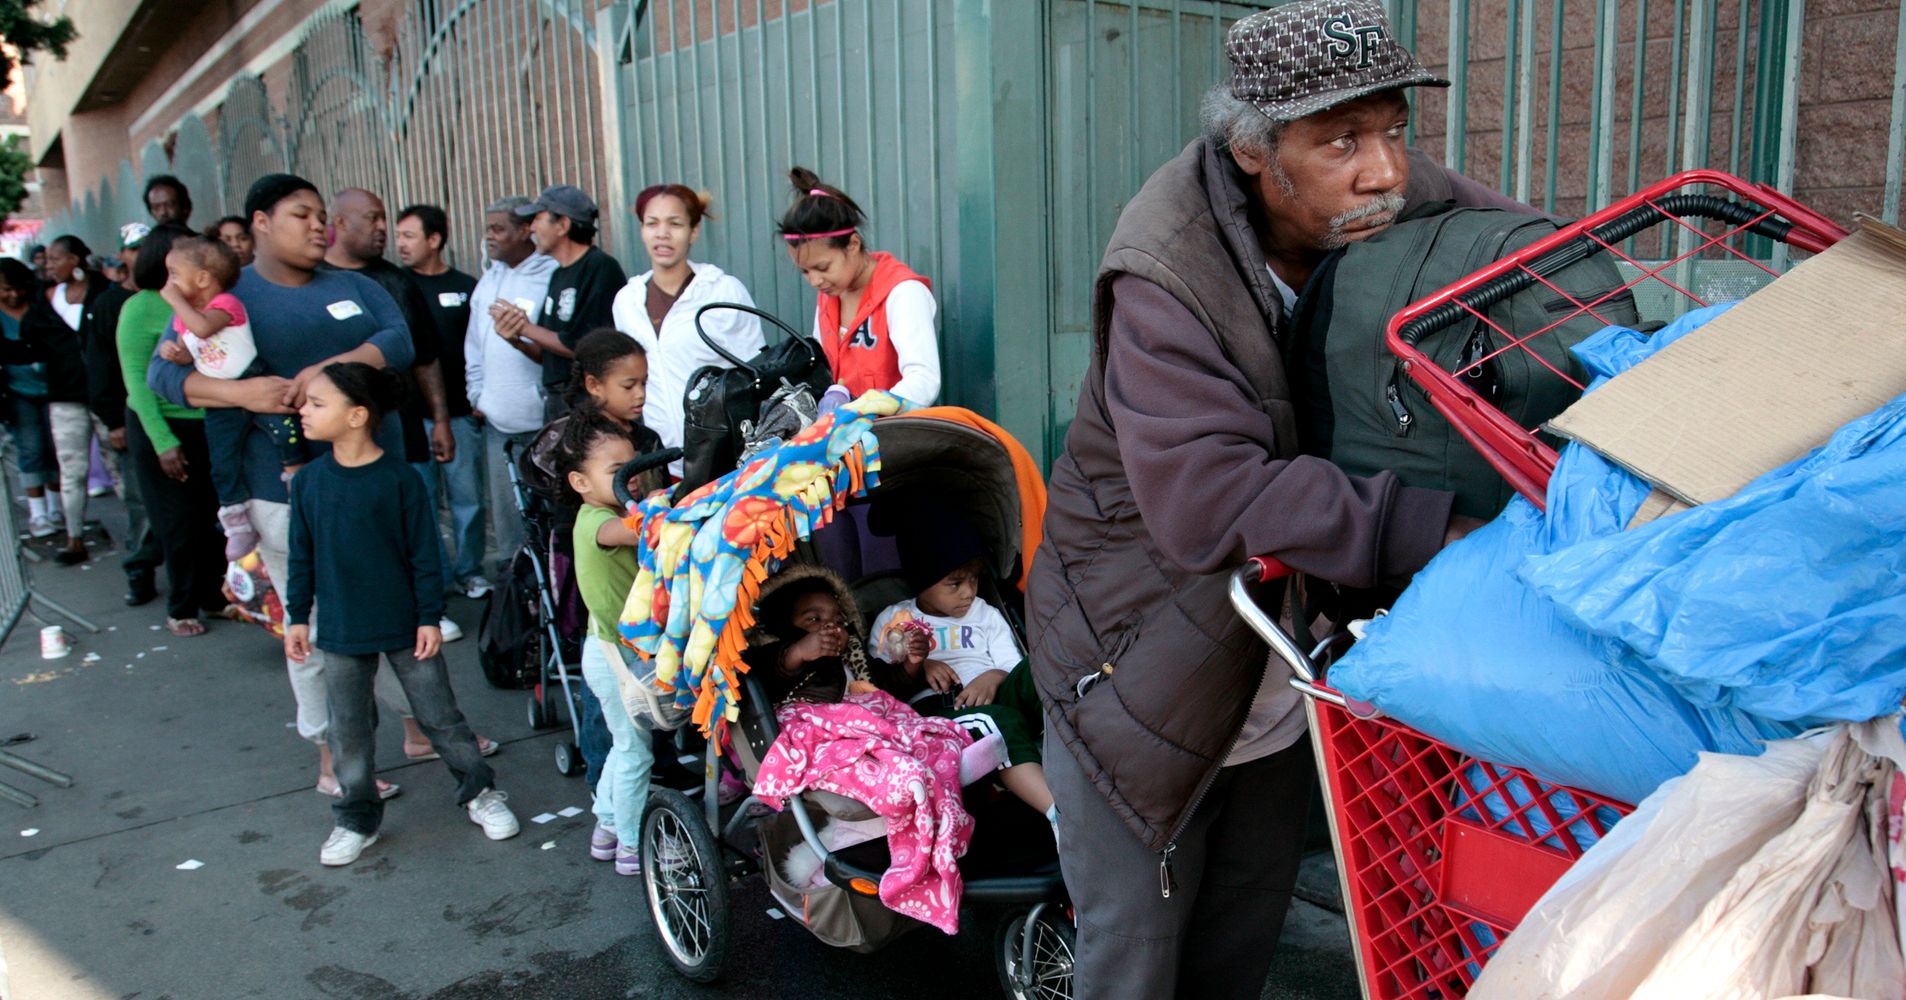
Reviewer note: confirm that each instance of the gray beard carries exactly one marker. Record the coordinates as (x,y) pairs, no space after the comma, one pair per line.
(1390,204)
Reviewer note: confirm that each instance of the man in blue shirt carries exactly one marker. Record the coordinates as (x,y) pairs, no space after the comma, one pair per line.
(301,319)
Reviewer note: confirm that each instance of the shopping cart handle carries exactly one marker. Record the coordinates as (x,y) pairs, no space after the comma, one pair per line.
(1271,568)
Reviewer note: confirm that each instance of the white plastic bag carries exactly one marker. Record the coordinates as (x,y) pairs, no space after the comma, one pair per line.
(1802,901)
(1605,925)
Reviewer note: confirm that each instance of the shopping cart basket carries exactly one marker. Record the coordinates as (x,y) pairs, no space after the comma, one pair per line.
(1439,855)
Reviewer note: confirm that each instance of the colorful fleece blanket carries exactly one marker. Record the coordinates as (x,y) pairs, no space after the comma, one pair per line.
(703,560)
(873,749)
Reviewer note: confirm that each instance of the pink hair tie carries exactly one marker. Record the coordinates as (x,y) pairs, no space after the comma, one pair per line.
(795,237)
(817,192)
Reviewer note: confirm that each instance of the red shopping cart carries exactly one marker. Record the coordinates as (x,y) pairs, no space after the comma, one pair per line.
(1439,854)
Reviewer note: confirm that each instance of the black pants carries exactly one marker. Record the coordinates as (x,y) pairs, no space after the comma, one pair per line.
(1233,872)
(184,516)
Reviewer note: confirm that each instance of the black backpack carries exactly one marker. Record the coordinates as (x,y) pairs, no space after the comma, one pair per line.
(1358,408)
(510,638)
(718,399)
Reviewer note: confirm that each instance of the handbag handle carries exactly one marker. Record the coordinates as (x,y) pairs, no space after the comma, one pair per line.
(753,373)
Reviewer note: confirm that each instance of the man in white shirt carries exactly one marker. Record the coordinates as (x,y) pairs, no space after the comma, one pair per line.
(505,383)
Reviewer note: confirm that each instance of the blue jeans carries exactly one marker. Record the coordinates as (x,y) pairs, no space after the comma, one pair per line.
(623,789)
(347,687)
(508,529)
(463,479)
(33,436)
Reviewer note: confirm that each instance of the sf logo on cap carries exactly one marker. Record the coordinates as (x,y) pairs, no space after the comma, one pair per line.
(1348,38)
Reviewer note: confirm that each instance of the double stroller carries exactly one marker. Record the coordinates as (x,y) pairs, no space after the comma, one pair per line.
(693,850)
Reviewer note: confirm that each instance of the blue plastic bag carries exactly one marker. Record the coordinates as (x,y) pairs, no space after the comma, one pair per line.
(1787,600)
(1474,657)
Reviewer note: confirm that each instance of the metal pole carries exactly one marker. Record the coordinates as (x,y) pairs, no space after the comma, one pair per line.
(1525,102)
(17,797)
(1636,106)
(1789,112)
(1506,174)
(1896,134)
(1555,109)
(1601,141)
(1699,102)
(1668,149)
(36,769)
(1456,124)
(1740,91)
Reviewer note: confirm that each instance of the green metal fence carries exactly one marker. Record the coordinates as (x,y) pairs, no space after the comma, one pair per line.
(994,142)
(466,101)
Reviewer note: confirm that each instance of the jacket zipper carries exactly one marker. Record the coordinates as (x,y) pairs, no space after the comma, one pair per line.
(1165,881)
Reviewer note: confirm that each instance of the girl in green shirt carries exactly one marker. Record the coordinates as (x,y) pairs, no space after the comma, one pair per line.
(592,449)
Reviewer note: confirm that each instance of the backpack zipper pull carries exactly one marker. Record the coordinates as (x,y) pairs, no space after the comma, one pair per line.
(1403,416)
(1165,882)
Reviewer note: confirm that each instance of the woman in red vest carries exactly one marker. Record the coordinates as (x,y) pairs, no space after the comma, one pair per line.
(874,319)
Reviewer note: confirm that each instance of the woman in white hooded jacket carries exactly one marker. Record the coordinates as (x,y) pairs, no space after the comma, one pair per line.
(658,308)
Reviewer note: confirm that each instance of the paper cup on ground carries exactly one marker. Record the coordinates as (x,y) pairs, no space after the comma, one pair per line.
(54,642)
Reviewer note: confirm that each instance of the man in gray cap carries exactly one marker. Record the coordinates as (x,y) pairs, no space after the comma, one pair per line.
(563,225)
(1171,751)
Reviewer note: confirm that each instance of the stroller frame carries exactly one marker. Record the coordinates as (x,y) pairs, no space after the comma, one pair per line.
(690,853)
(554,674)
(684,860)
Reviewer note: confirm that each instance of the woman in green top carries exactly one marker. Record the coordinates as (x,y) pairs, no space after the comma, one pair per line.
(169,455)
(593,449)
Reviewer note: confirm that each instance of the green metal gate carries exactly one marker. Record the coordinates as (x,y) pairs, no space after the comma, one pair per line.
(726,95)
(1124,81)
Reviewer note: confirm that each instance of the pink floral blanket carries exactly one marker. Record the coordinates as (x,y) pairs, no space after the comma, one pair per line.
(874,749)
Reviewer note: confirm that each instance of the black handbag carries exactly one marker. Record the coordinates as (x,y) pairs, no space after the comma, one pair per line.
(719,399)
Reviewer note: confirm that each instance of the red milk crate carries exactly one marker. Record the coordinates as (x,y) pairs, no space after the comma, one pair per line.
(1440,854)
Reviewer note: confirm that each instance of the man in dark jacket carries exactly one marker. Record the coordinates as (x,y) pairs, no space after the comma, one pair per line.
(1170,749)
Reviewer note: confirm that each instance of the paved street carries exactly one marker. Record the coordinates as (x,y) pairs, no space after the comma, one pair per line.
(182,753)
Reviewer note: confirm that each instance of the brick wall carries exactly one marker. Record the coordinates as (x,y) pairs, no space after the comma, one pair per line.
(1845,97)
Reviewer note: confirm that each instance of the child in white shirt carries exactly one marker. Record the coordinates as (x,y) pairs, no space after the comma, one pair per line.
(215,337)
(962,648)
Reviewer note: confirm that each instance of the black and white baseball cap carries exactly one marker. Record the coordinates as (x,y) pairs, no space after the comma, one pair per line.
(1301,58)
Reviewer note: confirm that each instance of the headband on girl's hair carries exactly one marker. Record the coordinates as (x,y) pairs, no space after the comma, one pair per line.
(795,237)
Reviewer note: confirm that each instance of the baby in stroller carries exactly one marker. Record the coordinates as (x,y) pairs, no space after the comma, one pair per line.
(955,651)
(806,647)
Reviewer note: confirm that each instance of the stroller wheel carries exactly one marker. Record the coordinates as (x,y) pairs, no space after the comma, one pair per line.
(1048,976)
(569,762)
(541,715)
(686,886)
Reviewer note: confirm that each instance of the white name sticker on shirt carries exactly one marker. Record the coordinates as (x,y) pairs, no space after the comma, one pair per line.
(450,300)
(344,309)
(523,304)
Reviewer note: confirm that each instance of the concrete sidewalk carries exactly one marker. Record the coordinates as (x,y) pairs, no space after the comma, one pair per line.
(182,750)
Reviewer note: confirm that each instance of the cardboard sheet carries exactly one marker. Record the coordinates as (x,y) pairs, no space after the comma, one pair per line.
(1765,382)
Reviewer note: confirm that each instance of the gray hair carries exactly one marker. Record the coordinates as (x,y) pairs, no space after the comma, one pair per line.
(1234,124)
(1239,126)
(509,204)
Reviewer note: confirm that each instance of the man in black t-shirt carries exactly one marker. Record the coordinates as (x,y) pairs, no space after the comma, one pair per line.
(582,289)
(421,232)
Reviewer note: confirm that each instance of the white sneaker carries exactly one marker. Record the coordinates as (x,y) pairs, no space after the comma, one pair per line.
(343,846)
(42,527)
(490,810)
(476,588)
(99,491)
(451,630)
